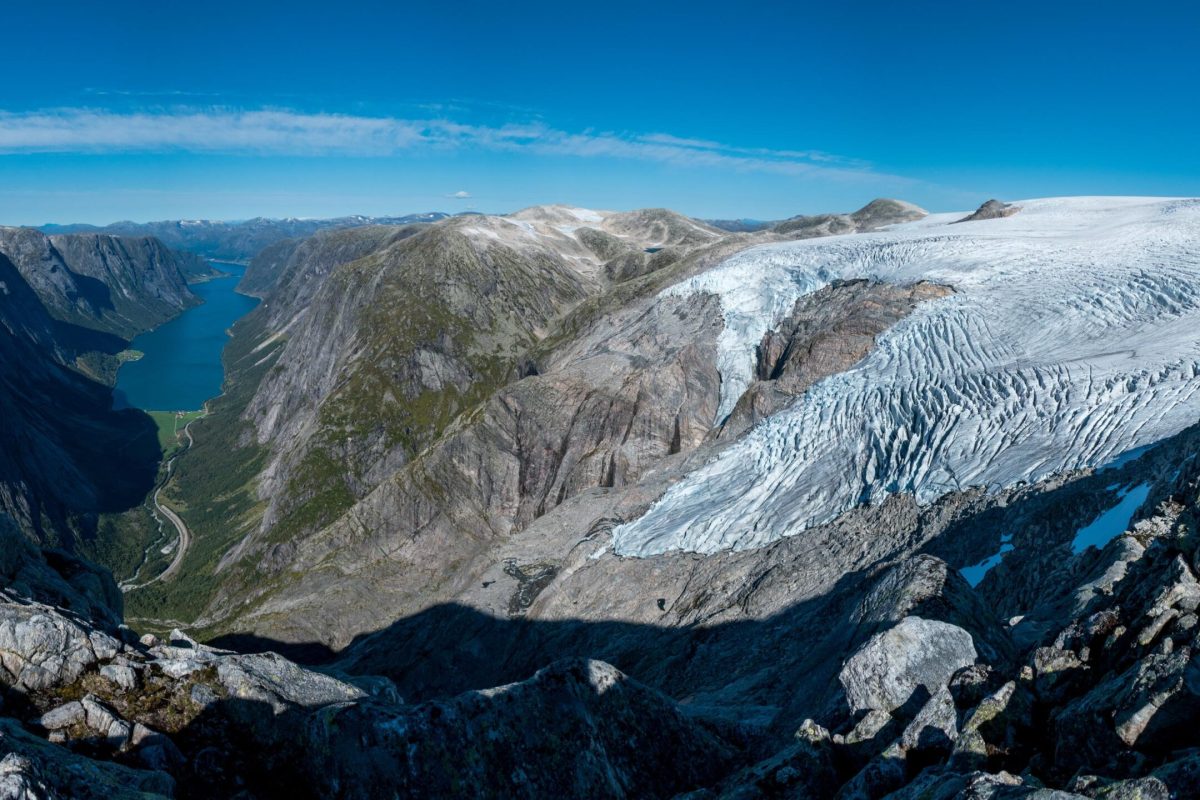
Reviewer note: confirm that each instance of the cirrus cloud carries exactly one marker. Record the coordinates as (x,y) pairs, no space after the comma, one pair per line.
(292,133)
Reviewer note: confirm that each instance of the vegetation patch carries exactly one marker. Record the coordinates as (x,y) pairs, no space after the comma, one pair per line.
(214,486)
(170,428)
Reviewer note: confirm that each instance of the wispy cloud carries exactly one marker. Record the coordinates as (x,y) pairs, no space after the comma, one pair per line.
(460,195)
(284,132)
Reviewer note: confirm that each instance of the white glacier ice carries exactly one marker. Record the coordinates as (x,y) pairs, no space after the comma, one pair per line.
(1074,337)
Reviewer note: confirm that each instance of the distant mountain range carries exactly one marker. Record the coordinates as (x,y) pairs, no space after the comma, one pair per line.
(572,503)
(237,241)
(242,240)
(879,212)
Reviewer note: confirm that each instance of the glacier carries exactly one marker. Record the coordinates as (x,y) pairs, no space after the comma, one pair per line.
(1073,337)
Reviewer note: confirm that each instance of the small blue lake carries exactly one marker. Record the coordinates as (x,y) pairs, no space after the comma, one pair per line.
(182,366)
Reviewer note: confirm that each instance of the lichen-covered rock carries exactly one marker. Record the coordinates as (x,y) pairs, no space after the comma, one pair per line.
(1147,707)
(272,679)
(927,587)
(884,774)
(935,728)
(40,647)
(1181,777)
(915,654)
(120,674)
(806,769)
(63,716)
(998,729)
(106,722)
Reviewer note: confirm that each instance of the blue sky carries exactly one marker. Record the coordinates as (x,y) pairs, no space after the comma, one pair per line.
(141,110)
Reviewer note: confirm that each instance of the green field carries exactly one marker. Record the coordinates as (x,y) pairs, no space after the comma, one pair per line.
(170,428)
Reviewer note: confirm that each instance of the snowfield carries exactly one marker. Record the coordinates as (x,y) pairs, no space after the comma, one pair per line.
(1074,336)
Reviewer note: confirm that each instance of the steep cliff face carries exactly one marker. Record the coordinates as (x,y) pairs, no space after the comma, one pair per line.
(69,305)
(121,286)
(64,455)
(389,350)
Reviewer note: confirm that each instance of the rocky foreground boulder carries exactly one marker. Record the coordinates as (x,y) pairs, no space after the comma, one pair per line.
(1091,694)
(93,710)
(1104,707)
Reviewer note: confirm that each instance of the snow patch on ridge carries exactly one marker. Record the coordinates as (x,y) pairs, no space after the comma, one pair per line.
(1074,337)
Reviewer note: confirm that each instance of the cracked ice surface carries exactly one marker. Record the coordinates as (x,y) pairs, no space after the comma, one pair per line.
(1074,337)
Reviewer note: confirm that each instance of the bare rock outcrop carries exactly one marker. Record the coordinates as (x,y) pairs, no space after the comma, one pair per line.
(827,332)
(915,654)
(40,648)
(992,209)
(876,214)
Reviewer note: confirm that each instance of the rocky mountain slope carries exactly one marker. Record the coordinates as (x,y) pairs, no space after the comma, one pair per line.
(238,241)
(115,285)
(372,341)
(925,691)
(875,214)
(65,456)
(68,306)
(624,505)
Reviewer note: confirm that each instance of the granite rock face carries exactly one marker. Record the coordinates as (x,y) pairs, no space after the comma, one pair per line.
(827,332)
(916,654)
(115,285)
(40,648)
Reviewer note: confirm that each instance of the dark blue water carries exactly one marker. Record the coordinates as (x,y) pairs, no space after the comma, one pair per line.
(182,365)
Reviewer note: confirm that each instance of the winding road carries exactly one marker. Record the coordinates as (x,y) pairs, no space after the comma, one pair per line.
(185,535)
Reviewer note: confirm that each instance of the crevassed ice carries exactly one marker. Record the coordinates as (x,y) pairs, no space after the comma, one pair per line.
(1074,337)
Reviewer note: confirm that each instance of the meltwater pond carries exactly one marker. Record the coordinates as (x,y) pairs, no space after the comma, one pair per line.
(182,367)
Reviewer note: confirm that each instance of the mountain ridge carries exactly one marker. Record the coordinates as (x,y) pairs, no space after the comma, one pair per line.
(436,443)
(236,241)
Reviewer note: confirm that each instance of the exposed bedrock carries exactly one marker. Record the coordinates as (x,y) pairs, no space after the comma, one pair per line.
(629,404)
